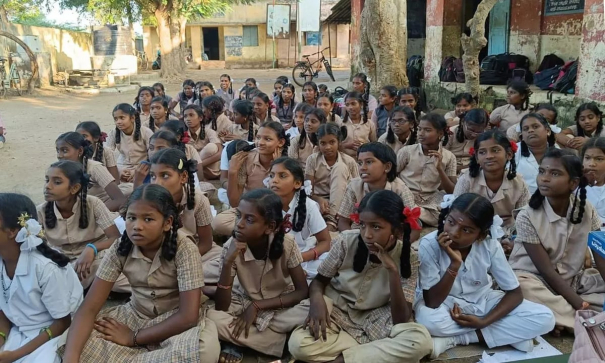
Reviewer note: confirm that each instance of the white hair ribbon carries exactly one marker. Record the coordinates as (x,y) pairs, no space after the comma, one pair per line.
(448,199)
(556,129)
(518,128)
(28,235)
(266,181)
(308,187)
(496,230)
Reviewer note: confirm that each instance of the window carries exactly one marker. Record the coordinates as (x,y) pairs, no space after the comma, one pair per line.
(250,36)
(312,38)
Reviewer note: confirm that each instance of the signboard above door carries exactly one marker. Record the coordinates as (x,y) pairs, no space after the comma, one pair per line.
(558,7)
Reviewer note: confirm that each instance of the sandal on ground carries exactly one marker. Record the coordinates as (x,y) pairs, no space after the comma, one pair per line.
(232,352)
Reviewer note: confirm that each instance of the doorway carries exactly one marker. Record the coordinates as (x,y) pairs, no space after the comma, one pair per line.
(499,26)
(469,8)
(211,44)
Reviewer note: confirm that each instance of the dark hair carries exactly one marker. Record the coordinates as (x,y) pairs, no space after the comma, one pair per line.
(265,99)
(236,146)
(321,116)
(331,98)
(549,107)
(573,166)
(439,123)
(542,120)
(77,141)
(392,91)
(188,82)
(95,131)
(389,206)
(300,212)
(524,91)
(476,207)
(366,89)
(174,158)
(283,79)
(158,84)
(76,175)
(246,108)
(476,116)
(364,105)
(269,206)
(245,90)
(200,114)
(251,80)
(252,92)
(474,168)
(170,138)
(593,143)
(178,128)
(205,84)
(129,110)
(281,134)
(332,129)
(302,108)
(281,99)
(230,91)
(216,106)
(590,106)
(314,86)
(164,203)
(12,207)
(418,96)
(411,117)
(383,153)
(137,103)
(463,96)
(164,103)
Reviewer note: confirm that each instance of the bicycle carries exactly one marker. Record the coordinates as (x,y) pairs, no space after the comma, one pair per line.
(142,62)
(12,79)
(304,71)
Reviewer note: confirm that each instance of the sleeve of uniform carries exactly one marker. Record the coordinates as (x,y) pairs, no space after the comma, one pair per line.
(56,292)
(429,272)
(226,247)
(111,266)
(316,222)
(109,158)
(463,185)
(496,115)
(188,262)
(526,232)
(111,140)
(338,250)
(524,199)
(146,134)
(347,206)
(352,166)
(101,175)
(596,222)
(203,213)
(407,197)
(103,217)
(373,132)
(402,159)
(292,150)
(293,253)
(310,166)
(450,167)
(500,269)
(212,136)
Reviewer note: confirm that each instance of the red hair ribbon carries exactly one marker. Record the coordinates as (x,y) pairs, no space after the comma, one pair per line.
(185,138)
(412,216)
(286,225)
(103,137)
(471,151)
(355,216)
(448,131)
(513,146)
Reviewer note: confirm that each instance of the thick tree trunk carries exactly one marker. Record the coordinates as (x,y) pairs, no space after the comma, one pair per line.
(175,37)
(32,60)
(170,66)
(472,46)
(383,52)
(3,16)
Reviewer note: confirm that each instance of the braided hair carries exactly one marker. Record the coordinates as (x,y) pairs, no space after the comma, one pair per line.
(523,89)
(94,130)
(269,207)
(550,139)
(230,90)
(78,142)
(500,138)
(573,166)
(215,105)
(200,113)
(321,116)
(300,212)
(74,172)
(162,200)
(265,99)
(291,87)
(389,206)
(132,112)
(476,207)
(410,116)
(330,128)
(246,109)
(178,128)
(439,123)
(591,106)
(176,160)
(475,116)
(12,207)
(364,106)
(162,101)
(281,134)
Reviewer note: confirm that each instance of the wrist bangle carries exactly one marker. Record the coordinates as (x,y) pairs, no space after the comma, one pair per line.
(452,272)
(256,306)
(94,248)
(134,338)
(3,335)
(315,254)
(223,286)
(47,331)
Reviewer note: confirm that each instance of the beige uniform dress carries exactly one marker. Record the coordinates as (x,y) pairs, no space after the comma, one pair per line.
(156,285)
(100,178)
(130,152)
(566,245)
(460,150)
(207,147)
(260,280)
(512,195)
(109,158)
(396,146)
(301,155)
(223,123)
(361,329)
(259,121)
(455,120)
(330,182)
(508,116)
(242,133)
(419,173)
(362,132)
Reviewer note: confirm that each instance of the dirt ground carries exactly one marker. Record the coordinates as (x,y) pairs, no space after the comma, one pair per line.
(34,122)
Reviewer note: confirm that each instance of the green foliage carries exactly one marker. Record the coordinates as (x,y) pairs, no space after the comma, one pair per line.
(107,11)
(21,10)
(42,21)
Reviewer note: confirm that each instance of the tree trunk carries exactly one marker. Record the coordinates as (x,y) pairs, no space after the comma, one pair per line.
(3,17)
(383,52)
(182,33)
(32,59)
(472,46)
(175,37)
(170,66)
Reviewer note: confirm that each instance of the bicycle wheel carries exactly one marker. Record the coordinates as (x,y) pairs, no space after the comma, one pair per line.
(329,70)
(301,73)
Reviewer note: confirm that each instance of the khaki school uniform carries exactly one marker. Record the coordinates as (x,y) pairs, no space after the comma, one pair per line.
(396,146)
(156,285)
(100,178)
(145,118)
(460,150)
(131,152)
(223,123)
(566,246)
(419,173)
(361,329)
(362,132)
(330,182)
(259,121)
(337,119)
(508,116)
(512,195)
(455,120)
(301,155)
(260,280)
(109,158)
(357,189)
(237,131)
(207,147)
(192,154)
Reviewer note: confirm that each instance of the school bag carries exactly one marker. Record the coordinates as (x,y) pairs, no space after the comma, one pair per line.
(459,69)
(550,61)
(493,63)
(415,70)
(589,342)
(566,83)
(514,63)
(447,72)
(545,79)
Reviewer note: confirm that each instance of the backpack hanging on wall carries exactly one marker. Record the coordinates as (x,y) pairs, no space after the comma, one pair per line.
(415,70)
(566,83)
(447,72)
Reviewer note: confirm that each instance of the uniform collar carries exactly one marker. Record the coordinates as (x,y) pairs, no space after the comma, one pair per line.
(366,187)
(550,213)
(322,160)
(74,209)
(155,264)
(506,184)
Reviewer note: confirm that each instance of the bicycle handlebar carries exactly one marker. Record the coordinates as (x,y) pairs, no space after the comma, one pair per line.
(321,51)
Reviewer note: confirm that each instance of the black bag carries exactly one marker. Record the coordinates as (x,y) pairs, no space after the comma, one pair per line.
(459,69)
(493,63)
(545,79)
(493,77)
(447,72)
(550,61)
(567,83)
(415,70)
(515,62)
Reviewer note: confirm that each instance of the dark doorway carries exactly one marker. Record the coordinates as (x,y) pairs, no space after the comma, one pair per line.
(211,47)
(468,10)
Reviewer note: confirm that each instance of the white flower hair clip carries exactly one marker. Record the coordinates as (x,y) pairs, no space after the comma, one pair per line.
(29,234)
(556,129)
(496,230)
(448,200)
(266,181)
(308,188)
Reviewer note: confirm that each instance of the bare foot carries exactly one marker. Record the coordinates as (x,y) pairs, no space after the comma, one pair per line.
(556,332)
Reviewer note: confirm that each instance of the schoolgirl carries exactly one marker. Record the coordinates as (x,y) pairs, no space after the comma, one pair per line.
(226,90)
(164,320)
(536,138)
(410,97)
(380,117)
(158,113)
(243,126)
(310,93)
(262,109)
(463,103)
(455,299)
(72,146)
(471,124)
(286,105)
(242,95)
(129,138)
(142,103)
(361,85)
(214,115)
(160,91)
(298,122)
(278,86)
(359,130)
(203,89)
(251,83)
(184,98)
(303,145)
(205,140)
(326,103)
(403,129)
(427,168)
(264,306)
(41,289)
(518,94)
(180,131)
(359,311)
(547,110)
(329,171)
(76,224)
(593,159)
(92,133)
(589,123)
(550,248)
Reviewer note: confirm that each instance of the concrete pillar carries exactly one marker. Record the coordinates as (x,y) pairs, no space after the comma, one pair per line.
(525,28)
(591,77)
(196,43)
(434,40)
(452,28)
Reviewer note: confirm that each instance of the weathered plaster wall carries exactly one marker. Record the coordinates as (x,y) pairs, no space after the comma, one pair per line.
(591,77)
(434,40)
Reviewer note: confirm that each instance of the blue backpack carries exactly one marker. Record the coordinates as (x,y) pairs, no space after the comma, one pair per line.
(544,80)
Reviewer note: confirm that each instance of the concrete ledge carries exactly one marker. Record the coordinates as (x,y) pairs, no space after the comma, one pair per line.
(96,91)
